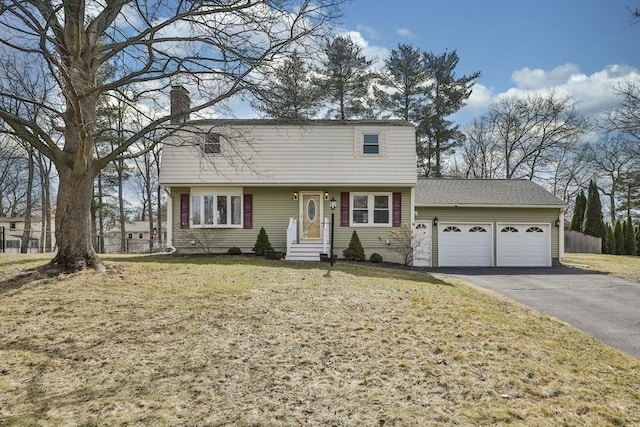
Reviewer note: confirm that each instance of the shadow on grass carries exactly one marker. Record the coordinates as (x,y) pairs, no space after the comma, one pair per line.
(362,269)
(15,281)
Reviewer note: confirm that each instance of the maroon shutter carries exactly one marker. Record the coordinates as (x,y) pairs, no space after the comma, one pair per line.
(248,211)
(344,209)
(397,209)
(184,211)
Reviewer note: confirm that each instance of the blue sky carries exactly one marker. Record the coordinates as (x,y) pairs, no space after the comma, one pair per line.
(580,48)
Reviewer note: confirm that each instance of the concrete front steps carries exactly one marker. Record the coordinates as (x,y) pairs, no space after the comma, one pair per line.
(305,251)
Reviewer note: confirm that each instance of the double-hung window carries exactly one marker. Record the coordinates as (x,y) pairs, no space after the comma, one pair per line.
(371,209)
(211,143)
(216,210)
(370,143)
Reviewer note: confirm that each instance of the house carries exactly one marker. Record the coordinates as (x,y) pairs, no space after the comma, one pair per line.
(137,238)
(12,229)
(226,179)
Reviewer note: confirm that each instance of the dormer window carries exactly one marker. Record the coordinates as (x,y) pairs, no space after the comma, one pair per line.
(211,143)
(370,143)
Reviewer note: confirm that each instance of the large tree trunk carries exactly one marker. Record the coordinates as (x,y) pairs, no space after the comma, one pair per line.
(73,222)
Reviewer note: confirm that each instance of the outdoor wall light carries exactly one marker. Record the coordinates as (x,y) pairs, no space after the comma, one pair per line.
(295,195)
(326,195)
(435,220)
(332,203)
(558,222)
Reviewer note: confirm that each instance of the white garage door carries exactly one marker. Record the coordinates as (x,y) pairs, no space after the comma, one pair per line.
(468,245)
(523,245)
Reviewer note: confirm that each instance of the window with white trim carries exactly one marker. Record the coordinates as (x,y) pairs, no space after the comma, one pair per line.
(140,235)
(216,210)
(371,209)
(370,143)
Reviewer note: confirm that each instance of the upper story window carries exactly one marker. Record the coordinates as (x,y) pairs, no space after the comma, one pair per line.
(12,226)
(371,209)
(140,235)
(216,210)
(371,143)
(211,143)
(130,235)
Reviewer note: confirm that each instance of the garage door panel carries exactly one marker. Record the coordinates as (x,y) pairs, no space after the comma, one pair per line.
(523,245)
(469,245)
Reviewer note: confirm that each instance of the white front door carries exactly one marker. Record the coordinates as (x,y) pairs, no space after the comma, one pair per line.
(422,244)
(310,216)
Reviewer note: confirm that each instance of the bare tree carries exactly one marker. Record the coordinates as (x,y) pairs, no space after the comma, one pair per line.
(480,153)
(528,129)
(613,160)
(213,47)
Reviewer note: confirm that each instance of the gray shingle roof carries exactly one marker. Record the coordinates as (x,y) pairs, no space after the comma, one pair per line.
(483,192)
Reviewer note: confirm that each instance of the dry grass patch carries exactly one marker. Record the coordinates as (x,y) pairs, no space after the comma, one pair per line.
(624,266)
(231,341)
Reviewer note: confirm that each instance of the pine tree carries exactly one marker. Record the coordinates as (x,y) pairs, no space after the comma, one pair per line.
(404,79)
(630,247)
(618,237)
(290,93)
(578,212)
(446,94)
(344,78)
(638,240)
(355,251)
(262,244)
(593,222)
(609,246)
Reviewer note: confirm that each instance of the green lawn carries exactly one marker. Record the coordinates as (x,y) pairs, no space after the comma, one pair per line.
(241,341)
(626,267)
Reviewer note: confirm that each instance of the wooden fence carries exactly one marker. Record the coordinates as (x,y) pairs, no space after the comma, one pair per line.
(576,242)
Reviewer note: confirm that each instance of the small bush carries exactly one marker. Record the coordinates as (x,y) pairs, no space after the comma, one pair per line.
(262,244)
(355,251)
(375,257)
(234,251)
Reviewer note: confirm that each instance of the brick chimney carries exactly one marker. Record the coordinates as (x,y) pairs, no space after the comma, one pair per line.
(180,102)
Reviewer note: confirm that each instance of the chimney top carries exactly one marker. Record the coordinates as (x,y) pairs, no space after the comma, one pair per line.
(180,103)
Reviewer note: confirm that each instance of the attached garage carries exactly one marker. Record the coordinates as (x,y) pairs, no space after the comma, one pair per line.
(469,245)
(491,222)
(523,245)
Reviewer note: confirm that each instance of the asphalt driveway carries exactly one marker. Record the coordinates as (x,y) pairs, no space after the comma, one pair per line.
(604,307)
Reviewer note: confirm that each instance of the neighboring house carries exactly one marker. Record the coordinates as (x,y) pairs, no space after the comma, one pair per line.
(13,231)
(137,238)
(226,179)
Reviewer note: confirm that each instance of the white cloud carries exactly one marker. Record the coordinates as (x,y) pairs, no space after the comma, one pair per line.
(405,32)
(593,94)
(529,79)
(368,30)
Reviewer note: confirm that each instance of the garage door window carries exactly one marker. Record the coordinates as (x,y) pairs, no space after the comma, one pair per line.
(534,230)
(477,230)
(452,229)
(509,230)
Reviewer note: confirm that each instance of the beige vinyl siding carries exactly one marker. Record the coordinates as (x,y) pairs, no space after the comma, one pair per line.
(272,208)
(264,155)
(492,216)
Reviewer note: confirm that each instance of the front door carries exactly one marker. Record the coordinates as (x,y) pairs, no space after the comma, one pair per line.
(422,244)
(310,216)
